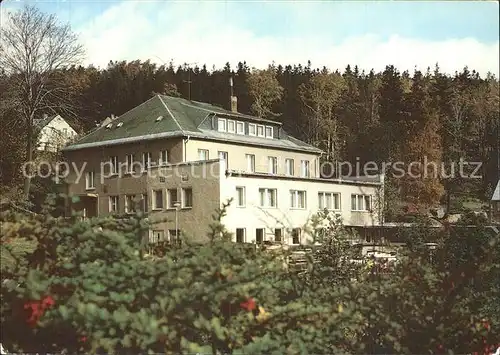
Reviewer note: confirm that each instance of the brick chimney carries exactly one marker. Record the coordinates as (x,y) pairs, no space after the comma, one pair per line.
(234,104)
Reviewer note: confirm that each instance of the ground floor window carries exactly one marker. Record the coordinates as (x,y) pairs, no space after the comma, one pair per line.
(175,236)
(240,235)
(278,234)
(156,236)
(296,236)
(259,235)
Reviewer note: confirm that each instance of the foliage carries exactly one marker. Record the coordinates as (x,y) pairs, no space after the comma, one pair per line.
(88,286)
(471,218)
(265,91)
(321,98)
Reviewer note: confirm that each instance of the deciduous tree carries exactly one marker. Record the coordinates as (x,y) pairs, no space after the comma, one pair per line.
(35,48)
(321,99)
(265,91)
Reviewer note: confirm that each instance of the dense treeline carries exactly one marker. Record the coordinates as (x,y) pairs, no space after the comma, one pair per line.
(353,115)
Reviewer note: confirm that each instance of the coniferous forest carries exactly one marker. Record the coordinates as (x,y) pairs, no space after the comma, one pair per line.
(353,115)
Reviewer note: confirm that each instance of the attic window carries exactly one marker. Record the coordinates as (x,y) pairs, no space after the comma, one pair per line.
(119,124)
(269,132)
(159,118)
(222,125)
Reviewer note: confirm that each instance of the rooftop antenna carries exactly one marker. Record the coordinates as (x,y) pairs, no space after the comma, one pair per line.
(188,66)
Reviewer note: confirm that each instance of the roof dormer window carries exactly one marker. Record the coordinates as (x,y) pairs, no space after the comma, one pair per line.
(231,126)
(269,132)
(252,129)
(222,125)
(260,131)
(240,128)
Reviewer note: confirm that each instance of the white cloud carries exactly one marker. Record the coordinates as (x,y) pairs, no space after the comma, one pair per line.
(203,32)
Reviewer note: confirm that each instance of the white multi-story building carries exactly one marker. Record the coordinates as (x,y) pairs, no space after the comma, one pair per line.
(183,159)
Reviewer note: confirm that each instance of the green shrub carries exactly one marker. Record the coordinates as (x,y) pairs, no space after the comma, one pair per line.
(89,286)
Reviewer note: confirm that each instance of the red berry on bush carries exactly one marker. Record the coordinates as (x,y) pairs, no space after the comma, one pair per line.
(48,301)
(38,309)
(249,304)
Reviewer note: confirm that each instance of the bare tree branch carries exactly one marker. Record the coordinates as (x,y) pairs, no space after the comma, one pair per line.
(35,50)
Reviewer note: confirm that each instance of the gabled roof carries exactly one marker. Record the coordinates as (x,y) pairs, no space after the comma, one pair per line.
(167,117)
(42,122)
(496,193)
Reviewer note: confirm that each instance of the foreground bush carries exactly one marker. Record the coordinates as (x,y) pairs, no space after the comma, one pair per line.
(89,287)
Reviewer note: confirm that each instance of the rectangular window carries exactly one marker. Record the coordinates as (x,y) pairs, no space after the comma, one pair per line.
(187,198)
(231,126)
(250,163)
(146,161)
(259,235)
(157,199)
(240,235)
(90,180)
(113,204)
(240,196)
(114,165)
(297,199)
(260,131)
(203,154)
(278,234)
(269,132)
(273,165)
(304,168)
(252,129)
(296,235)
(329,200)
(163,158)
(289,167)
(221,125)
(145,203)
(223,156)
(240,128)
(129,204)
(360,203)
(130,163)
(175,236)
(268,197)
(156,236)
(172,198)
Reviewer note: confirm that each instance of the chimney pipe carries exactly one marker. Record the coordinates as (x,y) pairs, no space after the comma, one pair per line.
(234,104)
(45,116)
(233,99)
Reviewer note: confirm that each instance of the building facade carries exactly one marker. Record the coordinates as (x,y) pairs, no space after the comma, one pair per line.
(53,133)
(180,160)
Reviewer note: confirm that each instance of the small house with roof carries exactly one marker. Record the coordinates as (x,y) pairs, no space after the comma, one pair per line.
(53,133)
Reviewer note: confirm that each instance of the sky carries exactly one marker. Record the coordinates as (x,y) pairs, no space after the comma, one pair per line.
(371,34)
